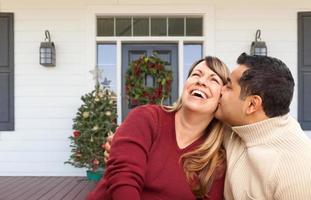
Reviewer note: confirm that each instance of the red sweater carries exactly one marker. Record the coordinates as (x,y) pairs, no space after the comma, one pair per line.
(144,161)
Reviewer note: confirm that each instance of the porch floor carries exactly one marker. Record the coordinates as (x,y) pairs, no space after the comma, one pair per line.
(53,188)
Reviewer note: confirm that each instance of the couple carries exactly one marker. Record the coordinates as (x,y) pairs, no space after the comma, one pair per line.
(186,152)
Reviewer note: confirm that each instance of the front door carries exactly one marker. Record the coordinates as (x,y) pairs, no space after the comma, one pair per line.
(166,52)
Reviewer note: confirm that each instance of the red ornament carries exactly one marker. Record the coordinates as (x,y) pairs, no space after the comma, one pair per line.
(95,162)
(103,146)
(76,134)
(134,102)
(137,70)
(78,155)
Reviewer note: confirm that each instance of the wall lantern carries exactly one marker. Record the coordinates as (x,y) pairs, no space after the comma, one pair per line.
(47,51)
(258,47)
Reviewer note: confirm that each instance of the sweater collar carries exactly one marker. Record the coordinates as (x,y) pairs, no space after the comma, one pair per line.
(263,131)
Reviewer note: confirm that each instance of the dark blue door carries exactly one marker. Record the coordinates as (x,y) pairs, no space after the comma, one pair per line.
(166,52)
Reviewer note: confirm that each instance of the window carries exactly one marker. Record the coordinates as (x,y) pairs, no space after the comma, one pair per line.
(140,26)
(150,26)
(176,26)
(105,26)
(107,61)
(192,53)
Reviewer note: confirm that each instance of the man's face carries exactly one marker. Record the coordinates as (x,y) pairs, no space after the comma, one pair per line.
(231,109)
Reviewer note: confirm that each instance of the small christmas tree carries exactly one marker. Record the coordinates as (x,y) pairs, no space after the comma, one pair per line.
(94,121)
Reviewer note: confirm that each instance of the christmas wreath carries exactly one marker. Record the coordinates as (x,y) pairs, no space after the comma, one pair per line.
(137,91)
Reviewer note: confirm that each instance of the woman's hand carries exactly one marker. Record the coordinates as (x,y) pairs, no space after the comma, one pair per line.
(107,148)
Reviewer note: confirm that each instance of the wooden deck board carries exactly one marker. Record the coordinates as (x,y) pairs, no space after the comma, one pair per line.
(34,188)
(21,193)
(85,191)
(66,190)
(55,190)
(9,184)
(44,188)
(81,184)
(14,187)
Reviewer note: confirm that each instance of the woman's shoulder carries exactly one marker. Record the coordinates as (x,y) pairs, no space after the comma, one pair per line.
(153,110)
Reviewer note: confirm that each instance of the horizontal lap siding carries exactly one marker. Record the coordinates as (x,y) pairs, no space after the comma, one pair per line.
(46,99)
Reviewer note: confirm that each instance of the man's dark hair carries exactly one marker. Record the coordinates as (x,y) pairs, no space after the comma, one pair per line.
(269,78)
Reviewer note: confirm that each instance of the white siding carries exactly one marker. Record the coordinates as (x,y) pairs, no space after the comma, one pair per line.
(46,99)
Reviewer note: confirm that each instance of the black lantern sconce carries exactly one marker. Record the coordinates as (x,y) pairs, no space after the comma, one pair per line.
(258,47)
(47,51)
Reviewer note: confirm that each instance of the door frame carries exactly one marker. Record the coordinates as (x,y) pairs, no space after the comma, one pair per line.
(208,40)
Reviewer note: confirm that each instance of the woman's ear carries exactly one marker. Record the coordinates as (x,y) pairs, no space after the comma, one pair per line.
(254,104)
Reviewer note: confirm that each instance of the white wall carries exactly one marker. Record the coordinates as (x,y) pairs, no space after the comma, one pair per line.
(46,99)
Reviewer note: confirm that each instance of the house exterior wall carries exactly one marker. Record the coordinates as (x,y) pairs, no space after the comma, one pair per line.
(46,99)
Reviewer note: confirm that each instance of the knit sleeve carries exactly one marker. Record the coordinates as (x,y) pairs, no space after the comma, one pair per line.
(293,179)
(227,135)
(126,167)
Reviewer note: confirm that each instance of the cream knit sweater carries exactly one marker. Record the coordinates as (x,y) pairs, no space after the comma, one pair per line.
(270,159)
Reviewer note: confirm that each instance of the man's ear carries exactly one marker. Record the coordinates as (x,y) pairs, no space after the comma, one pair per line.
(254,104)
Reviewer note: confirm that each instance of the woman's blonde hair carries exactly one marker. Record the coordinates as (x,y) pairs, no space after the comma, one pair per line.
(208,162)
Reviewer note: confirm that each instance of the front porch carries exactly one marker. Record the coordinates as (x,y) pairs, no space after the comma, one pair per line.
(44,188)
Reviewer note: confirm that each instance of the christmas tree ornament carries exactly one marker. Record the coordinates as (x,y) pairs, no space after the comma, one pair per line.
(101,94)
(95,162)
(78,155)
(108,113)
(95,128)
(91,140)
(85,114)
(76,134)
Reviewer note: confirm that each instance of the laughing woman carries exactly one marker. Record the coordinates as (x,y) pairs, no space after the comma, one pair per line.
(171,153)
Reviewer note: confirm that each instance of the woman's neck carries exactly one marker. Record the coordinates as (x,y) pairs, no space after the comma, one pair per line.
(190,126)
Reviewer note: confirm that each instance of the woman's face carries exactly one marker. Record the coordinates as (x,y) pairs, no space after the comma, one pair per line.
(201,90)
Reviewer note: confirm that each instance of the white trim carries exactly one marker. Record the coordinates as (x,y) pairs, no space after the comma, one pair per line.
(207,11)
(150,9)
(150,39)
(118,78)
(181,66)
(209,33)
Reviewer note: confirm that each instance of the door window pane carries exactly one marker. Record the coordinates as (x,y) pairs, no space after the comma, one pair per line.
(123,26)
(176,26)
(192,53)
(141,26)
(158,26)
(194,26)
(107,62)
(105,27)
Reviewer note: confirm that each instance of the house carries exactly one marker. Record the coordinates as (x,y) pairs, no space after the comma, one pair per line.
(37,103)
